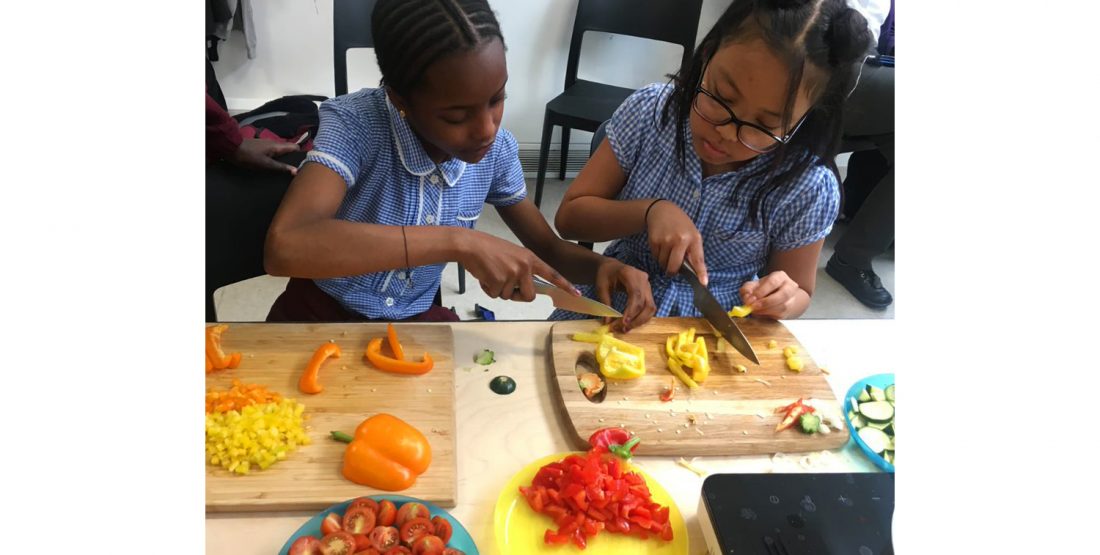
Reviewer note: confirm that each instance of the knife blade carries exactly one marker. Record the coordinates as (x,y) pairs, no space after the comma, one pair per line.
(716,315)
(567,301)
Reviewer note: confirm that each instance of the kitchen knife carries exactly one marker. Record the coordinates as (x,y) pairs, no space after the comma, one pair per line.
(568,301)
(716,315)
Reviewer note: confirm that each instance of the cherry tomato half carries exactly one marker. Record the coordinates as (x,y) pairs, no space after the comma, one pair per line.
(387,513)
(428,545)
(331,524)
(359,521)
(366,503)
(338,543)
(305,545)
(384,537)
(409,511)
(442,528)
(415,528)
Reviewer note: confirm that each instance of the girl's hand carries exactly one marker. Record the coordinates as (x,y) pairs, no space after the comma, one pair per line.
(505,270)
(614,275)
(775,295)
(674,237)
(260,154)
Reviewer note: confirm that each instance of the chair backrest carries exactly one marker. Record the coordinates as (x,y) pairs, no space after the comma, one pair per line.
(350,29)
(673,21)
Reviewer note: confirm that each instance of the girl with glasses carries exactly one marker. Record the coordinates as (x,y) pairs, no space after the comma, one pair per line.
(730,167)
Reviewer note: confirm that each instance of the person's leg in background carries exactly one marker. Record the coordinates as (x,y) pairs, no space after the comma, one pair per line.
(869,115)
(240,204)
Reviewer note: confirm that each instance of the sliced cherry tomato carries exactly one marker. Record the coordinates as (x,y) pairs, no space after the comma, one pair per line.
(414,528)
(442,528)
(428,545)
(331,524)
(338,543)
(359,521)
(409,511)
(362,543)
(453,551)
(365,502)
(387,513)
(305,545)
(384,537)
(399,550)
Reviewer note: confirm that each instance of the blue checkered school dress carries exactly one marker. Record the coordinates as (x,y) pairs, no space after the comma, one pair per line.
(735,248)
(392,181)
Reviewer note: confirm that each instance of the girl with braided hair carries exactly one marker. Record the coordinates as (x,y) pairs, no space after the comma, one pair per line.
(398,177)
(730,167)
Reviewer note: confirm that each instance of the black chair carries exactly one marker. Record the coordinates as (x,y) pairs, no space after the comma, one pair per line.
(351,29)
(586,104)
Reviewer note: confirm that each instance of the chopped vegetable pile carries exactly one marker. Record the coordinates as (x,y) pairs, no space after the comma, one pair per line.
(369,526)
(872,415)
(685,350)
(257,434)
(238,397)
(591,493)
(794,362)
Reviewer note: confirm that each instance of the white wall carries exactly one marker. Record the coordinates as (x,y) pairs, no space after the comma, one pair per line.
(294,56)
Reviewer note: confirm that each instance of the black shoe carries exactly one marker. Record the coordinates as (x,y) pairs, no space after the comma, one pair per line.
(864,285)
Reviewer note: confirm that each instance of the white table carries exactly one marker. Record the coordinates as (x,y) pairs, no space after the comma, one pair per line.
(499,435)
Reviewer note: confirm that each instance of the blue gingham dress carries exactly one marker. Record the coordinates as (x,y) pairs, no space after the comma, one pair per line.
(735,249)
(392,181)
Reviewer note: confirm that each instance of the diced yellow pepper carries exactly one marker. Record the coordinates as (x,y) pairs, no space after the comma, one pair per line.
(740,311)
(789,352)
(741,368)
(772,344)
(794,363)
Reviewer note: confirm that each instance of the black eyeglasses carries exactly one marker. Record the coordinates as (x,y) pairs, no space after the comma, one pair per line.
(713,110)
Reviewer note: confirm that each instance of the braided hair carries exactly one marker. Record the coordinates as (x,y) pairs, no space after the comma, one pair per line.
(411,35)
(827,35)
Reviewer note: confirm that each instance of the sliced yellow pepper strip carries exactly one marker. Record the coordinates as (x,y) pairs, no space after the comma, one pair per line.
(678,371)
(740,311)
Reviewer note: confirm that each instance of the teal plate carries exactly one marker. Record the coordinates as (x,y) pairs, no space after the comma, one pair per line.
(460,538)
(880,381)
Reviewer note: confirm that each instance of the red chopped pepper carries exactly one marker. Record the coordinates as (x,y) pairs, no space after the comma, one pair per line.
(668,392)
(793,410)
(588,494)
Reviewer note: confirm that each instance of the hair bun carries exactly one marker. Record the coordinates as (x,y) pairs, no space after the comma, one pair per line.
(848,37)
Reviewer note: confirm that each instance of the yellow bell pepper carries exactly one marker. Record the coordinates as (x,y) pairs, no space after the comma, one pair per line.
(740,311)
(686,350)
(677,370)
(794,363)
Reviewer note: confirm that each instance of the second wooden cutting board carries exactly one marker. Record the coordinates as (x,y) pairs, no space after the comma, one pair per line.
(733,412)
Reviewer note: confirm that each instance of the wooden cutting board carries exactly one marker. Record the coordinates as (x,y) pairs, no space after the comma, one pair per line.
(734,412)
(274,355)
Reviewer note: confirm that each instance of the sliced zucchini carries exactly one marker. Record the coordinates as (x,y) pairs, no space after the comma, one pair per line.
(879,411)
(864,396)
(890,393)
(858,422)
(878,425)
(875,439)
(876,393)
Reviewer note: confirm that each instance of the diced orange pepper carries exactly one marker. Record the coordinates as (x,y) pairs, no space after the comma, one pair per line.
(308,382)
(386,453)
(395,345)
(389,364)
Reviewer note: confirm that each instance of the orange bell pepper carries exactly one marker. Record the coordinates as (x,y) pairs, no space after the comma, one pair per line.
(390,364)
(395,345)
(386,453)
(215,356)
(308,382)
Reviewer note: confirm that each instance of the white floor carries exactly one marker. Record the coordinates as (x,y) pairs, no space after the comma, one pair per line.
(249,301)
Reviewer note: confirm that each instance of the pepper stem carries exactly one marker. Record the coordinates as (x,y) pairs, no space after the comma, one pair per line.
(341,436)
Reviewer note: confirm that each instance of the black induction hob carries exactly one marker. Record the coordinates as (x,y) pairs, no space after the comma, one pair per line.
(798,514)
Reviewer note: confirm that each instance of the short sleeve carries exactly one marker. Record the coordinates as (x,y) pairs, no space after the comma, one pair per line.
(633,121)
(809,215)
(345,139)
(508,185)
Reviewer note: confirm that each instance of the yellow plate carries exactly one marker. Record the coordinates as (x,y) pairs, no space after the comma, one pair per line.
(519,529)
